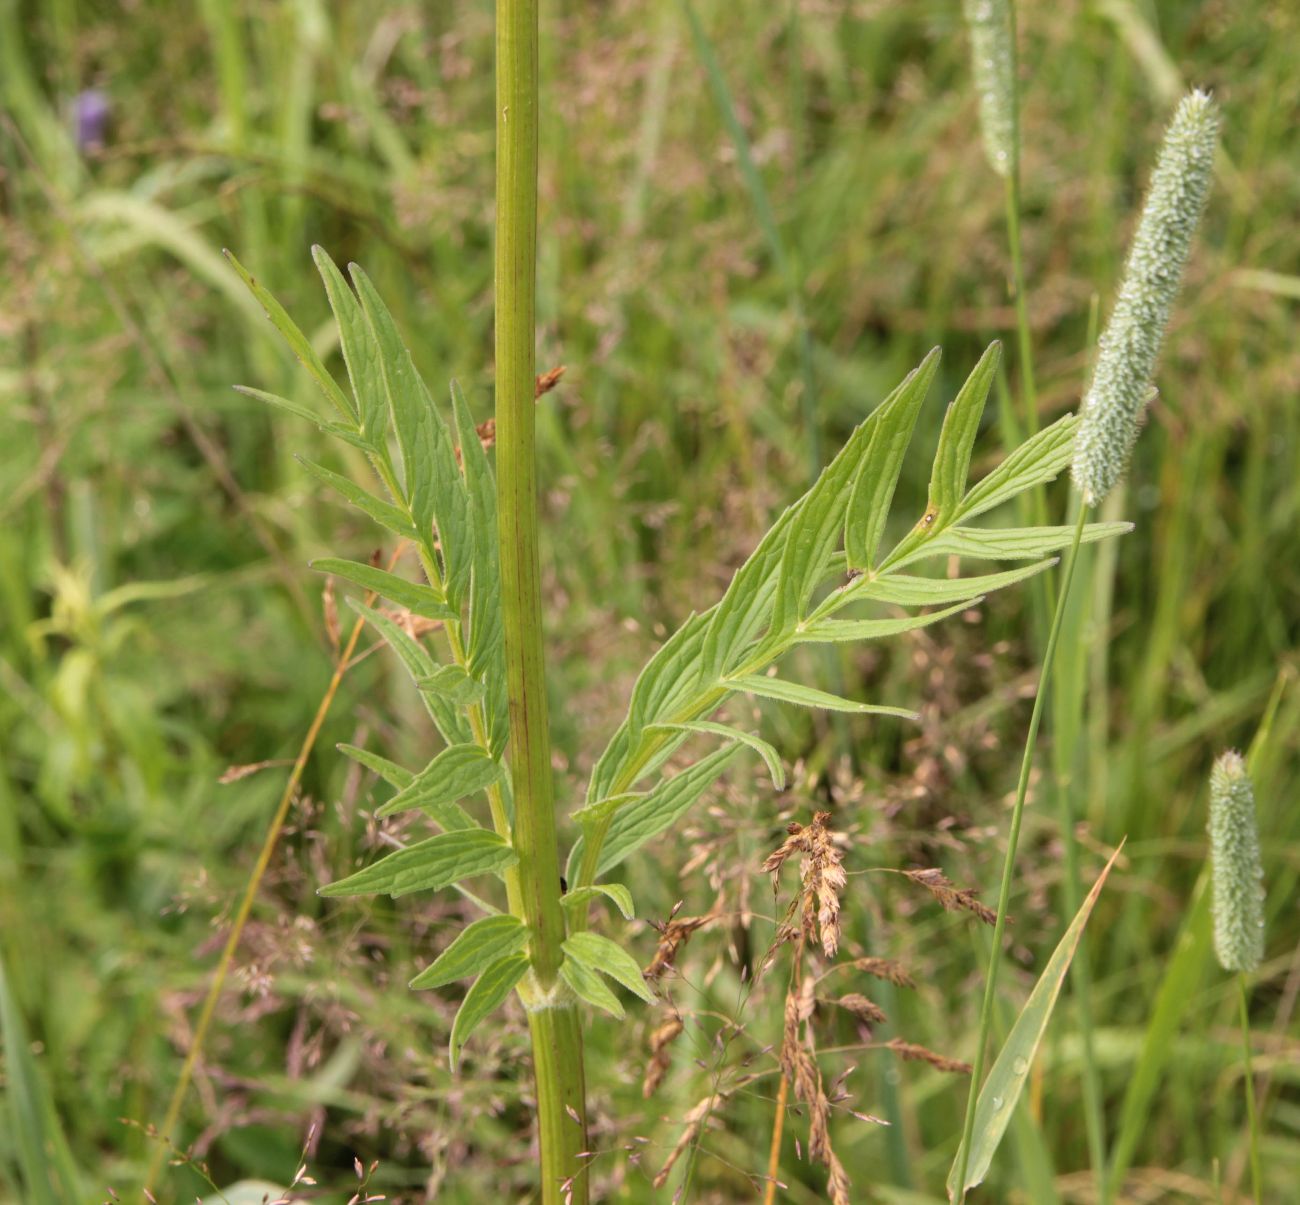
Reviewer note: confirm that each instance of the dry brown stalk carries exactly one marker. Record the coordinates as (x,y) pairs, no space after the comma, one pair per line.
(341,665)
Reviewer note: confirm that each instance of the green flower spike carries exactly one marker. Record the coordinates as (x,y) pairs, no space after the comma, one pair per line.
(1238,906)
(1130,346)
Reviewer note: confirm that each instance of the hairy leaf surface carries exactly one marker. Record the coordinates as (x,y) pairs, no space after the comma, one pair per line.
(418,599)
(457,772)
(481,943)
(598,953)
(487,993)
(770,757)
(808,696)
(429,865)
(873,490)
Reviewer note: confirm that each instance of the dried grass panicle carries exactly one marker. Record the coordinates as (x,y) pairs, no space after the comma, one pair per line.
(800,1070)
(673,934)
(860,1006)
(822,873)
(695,1121)
(910,1052)
(661,1039)
(886,969)
(952,897)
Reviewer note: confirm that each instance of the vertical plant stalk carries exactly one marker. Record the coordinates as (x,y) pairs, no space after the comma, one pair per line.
(1256,1180)
(1009,862)
(552,1012)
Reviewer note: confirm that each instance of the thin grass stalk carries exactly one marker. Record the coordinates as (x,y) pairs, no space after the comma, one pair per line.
(553,1016)
(1256,1180)
(272,838)
(1008,864)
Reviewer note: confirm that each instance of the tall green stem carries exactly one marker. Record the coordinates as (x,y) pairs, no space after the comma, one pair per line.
(1252,1121)
(1008,864)
(553,1016)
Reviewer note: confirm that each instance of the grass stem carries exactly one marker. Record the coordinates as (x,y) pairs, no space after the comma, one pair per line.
(1256,1180)
(1008,865)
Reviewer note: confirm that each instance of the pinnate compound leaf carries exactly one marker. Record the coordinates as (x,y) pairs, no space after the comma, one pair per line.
(435,489)
(458,771)
(589,986)
(487,993)
(453,684)
(908,591)
(486,634)
(819,517)
(418,599)
(1009,543)
(668,675)
(360,351)
(429,865)
(284,403)
(393,774)
(617,893)
(957,437)
(873,489)
(770,757)
(298,343)
(839,630)
(384,513)
(598,953)
(450,721)
(746,604)
(645,816)
(477,946)
(1038,460)
(808,696)
(1001,1090)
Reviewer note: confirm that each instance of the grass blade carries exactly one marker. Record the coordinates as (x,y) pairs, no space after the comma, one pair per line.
(1006,1079)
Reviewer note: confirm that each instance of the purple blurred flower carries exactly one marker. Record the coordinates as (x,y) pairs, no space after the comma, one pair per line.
(91,110)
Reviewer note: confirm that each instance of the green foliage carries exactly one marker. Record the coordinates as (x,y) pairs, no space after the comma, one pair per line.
(678,422)
(430,864)
(476,947)
(1001,1091)
(487,993)
(769,607)
(598,954)
(457,772)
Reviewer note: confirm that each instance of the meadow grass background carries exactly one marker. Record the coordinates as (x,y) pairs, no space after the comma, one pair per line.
(158,623)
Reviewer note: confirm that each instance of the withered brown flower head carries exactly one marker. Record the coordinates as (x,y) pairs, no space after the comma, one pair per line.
(822,874)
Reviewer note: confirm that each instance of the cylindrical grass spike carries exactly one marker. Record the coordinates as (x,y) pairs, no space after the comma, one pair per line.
(993,63)
(1238,906)
(1130,346)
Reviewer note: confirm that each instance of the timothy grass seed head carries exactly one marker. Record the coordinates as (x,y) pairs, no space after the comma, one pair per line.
(993,66)
(1130,345)
(1238,905)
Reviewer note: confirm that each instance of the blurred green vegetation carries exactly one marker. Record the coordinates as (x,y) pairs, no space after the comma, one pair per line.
(158,623)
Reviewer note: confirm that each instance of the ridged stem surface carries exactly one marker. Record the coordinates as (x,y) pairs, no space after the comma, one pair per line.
(553,1017)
